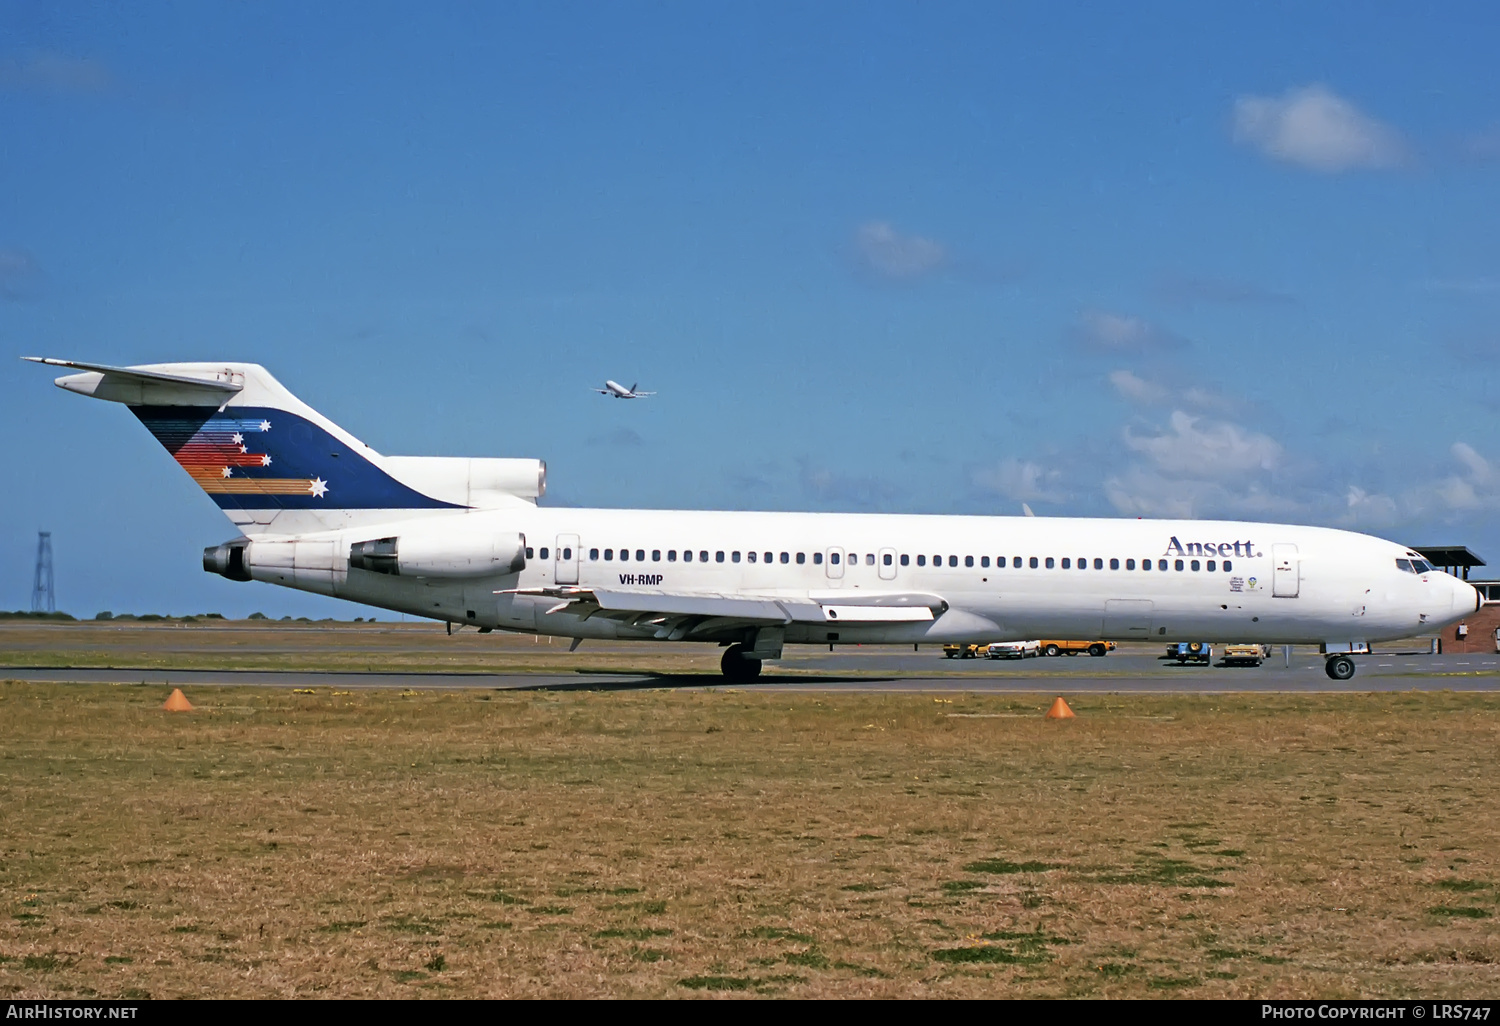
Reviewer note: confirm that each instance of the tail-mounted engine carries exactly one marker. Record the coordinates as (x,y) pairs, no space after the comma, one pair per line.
(429,554)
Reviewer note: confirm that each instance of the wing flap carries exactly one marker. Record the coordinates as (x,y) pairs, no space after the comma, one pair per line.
(820,607)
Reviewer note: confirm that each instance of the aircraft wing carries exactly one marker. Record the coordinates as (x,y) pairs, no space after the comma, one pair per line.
(677,615)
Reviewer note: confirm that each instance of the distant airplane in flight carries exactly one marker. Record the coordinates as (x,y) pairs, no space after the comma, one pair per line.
(619,391)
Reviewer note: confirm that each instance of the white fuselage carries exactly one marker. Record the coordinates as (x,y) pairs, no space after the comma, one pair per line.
(1062,577)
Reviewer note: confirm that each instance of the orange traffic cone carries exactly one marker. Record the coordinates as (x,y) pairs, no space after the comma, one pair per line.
(178,702)
(1060,710)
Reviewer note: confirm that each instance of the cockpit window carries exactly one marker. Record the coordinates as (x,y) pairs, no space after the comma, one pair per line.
(1404,564)
(1421,566)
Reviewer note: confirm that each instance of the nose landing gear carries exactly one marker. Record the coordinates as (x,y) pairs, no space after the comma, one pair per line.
(1339,667)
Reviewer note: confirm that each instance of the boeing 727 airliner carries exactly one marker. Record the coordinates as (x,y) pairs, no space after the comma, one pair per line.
(463,540)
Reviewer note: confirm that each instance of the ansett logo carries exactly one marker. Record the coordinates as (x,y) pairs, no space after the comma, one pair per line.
(1235,548)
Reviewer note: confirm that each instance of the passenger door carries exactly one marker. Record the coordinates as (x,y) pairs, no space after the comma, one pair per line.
(1286,573)
(566,556)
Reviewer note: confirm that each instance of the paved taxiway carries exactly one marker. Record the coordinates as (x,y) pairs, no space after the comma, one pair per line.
(1137,673)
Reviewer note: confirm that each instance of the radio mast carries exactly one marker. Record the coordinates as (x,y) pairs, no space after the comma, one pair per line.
(43,596)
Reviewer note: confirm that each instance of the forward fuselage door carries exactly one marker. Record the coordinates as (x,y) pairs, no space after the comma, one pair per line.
(565,567)
(1286,572)
(887,563)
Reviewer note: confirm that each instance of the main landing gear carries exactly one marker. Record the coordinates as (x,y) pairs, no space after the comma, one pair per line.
(1339,667)
(738,667)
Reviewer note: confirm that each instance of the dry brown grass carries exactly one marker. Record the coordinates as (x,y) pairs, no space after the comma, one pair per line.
(679,844)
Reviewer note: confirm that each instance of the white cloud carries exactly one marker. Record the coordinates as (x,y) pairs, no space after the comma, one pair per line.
(1020,480)
(882,249)
(1194,447)
(1138,390)
(1117,333)
(1315,128)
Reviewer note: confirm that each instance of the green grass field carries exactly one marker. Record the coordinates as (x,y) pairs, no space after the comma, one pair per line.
(487,844)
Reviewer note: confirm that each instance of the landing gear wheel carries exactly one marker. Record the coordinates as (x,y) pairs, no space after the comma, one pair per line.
(737,666)
(1050,650)
(1340,668)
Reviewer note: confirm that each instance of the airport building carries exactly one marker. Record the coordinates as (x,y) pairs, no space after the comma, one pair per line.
(1480,632)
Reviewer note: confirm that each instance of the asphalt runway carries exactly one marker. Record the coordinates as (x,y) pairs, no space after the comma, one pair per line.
(1130,673)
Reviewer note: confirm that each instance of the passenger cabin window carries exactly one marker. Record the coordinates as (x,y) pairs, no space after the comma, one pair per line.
(656,555)
(1016,563)
(567,553)
(921,560)
(1211,566)
(1083,564)
(869,559)
(1193,565)
(1067,564)
(1227,566)
(1129,564)
(968,561)
(1114,564)
(1177,565)
(817,559)
(786,557)
(734,557)
(1099,564)
(886,559)
(608,554)
(1049,562)
(801,557)
(953,561)
(543,552)
(1161,564)
(640,555)
(984,560)
(703,555)
(719,557)
(671,555)
(1145,564)
(768,558)
(905,559)
(529,553)
(687,555)
(833,557)
(593,553)
(1034,563)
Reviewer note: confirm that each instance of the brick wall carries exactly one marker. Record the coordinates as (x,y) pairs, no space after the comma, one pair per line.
(1482,627)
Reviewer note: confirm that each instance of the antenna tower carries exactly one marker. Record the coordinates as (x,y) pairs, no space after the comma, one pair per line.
(43,597)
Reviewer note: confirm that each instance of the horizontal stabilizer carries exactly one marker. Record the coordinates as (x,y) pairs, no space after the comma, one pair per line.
(142,386)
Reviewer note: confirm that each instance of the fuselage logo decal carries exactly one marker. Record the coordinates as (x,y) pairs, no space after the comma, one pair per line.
(1234,548)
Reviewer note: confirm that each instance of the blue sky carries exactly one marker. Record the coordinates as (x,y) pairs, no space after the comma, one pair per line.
(1104,259)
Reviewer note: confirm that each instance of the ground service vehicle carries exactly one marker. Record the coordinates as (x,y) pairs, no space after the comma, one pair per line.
(1072,648)
(962,651)
(1191,652)
(1246,655)
(1013,649)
